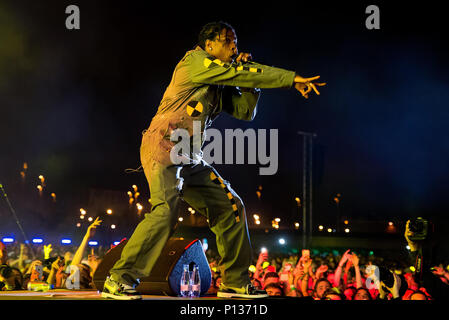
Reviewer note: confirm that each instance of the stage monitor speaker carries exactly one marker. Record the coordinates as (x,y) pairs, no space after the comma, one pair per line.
(165,277)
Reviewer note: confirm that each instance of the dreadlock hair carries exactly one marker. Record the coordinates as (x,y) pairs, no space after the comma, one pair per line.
(210,31)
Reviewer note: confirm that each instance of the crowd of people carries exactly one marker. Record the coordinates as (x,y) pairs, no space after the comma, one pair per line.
(348,276)
(21,264)
(324,276)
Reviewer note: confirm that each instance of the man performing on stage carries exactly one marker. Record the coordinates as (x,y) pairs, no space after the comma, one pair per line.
(209,79)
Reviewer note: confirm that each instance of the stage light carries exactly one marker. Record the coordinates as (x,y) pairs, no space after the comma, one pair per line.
(296,225)
(282,241)
(109,211)
(112,226)
(8,240)
(407,247)
(93,243)
(66,241)
(37,240)
(116,243)
(90,219)
(277,220)
(390,223)
(329,230)
(83,212)
(346,222)
(257,221)
(134,188)
(320,228)
(256,217)
(81,217)
(78,224)
(347,230)
(130,194)
(180,219)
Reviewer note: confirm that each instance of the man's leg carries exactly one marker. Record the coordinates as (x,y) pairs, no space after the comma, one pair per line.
(149,238)
(213,197)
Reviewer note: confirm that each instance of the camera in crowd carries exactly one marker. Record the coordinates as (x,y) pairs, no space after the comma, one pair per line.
(420,229)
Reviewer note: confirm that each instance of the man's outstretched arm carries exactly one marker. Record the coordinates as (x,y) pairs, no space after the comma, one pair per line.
(204,69)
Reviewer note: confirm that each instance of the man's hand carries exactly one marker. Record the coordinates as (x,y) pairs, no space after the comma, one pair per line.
(345,257)
(305,85)
(407,234)
(47,250)
(91,230)
(354,259)
(245,57)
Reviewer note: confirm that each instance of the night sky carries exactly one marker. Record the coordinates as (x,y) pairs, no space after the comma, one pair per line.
(73,103)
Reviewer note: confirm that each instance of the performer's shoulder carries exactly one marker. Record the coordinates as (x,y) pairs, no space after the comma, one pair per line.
(194,54)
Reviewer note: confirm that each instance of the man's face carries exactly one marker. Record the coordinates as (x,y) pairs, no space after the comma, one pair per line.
(272,291)
(224,47)
(361,295)
(321,288)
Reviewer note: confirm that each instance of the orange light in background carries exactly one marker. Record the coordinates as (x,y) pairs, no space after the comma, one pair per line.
(109,211)
(25,166)
(298,201)
(346,222)
(78,224)
(22,174)
(139,208)
(136,195)
(53,196)
(130,194)
(134,188)
(83,212)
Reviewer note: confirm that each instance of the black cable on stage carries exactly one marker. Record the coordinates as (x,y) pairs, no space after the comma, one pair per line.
(16,219)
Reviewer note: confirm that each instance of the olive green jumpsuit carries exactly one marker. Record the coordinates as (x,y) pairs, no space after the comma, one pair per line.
(201,87)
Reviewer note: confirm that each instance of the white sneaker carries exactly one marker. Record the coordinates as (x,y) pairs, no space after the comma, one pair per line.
(120,291)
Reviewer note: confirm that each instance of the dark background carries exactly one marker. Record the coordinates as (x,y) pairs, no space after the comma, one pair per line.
(73,104)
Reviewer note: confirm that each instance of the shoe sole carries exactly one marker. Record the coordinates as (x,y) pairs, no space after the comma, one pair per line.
(241,295)
(116,297)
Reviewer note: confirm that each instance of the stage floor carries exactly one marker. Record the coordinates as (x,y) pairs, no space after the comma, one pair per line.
(64,294)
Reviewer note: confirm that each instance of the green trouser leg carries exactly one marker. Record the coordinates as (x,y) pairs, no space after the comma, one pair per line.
(150,236)
(206,192)
(209,194)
